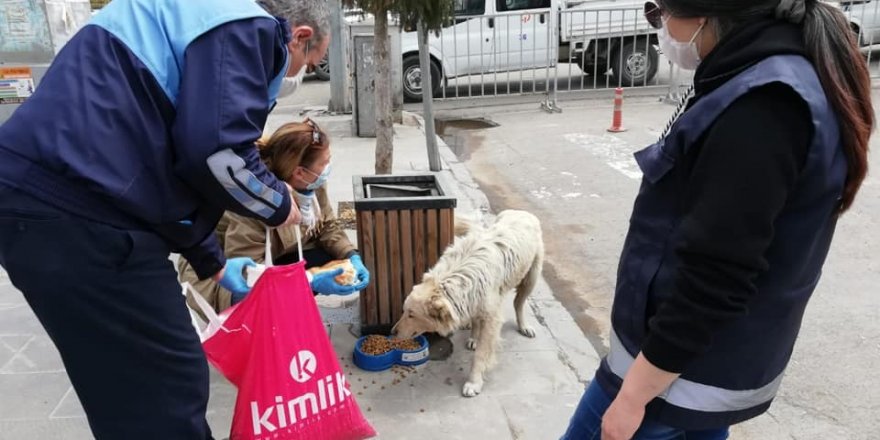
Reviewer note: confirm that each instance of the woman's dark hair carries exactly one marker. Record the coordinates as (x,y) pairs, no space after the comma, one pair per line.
(832,47)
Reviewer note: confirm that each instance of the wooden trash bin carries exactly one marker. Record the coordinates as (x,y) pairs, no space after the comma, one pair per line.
(404,223)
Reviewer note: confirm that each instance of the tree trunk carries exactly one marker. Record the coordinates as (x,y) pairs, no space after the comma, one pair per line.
(384,110)
(428,98)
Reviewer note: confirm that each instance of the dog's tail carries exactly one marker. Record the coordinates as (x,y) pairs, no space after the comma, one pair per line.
(466,225)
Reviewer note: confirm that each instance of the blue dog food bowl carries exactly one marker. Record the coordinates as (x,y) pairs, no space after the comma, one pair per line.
(385,361)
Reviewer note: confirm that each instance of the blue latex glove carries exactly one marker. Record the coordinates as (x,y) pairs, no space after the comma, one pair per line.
(363,275)
(233,277)
(325,284)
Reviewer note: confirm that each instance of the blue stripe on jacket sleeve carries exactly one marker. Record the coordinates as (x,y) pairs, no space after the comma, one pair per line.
(222,109)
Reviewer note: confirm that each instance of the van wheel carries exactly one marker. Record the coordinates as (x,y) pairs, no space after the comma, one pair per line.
(412,79)
(593,60)
(322,70)
(635,64)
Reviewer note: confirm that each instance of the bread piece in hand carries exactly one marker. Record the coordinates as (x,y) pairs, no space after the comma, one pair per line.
(348,276)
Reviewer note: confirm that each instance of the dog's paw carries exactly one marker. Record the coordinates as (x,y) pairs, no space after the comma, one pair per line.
(527,331)
(471,344)
(471,389)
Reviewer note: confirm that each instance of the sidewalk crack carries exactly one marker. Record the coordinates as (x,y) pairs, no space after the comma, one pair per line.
(515,432)
(560,351)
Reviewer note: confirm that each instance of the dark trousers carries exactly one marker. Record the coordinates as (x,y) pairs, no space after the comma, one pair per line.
(111,303)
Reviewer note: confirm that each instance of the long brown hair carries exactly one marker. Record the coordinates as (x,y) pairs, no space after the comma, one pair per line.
(293,145)
(834,50)
(833,47)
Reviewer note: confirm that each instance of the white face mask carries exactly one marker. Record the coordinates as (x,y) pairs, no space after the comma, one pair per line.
(684,55)
(290,84)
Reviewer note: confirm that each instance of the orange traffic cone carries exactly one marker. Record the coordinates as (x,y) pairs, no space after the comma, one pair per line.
(617,121)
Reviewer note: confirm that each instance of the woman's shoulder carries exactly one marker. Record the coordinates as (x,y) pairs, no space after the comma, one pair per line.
(237,223)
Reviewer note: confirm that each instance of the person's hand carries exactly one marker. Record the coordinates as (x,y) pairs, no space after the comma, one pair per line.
(643,382)
(294,218)
(363,275)
(232,277)
(325,283)
(622,419)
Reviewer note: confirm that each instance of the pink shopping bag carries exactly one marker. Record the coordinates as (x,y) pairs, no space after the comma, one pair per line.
(274,347)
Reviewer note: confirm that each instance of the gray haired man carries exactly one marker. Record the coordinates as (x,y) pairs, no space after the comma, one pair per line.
(139,137)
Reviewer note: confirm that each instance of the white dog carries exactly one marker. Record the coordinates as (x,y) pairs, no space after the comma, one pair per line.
(467,285)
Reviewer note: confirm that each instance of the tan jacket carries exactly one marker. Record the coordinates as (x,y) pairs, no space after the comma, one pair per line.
(246,237)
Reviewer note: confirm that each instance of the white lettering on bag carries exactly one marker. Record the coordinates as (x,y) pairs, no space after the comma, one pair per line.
(330,391)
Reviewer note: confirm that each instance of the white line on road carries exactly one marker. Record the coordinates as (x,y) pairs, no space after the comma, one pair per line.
(615,152)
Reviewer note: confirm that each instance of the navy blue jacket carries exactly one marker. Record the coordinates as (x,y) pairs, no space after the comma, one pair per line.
(147,119)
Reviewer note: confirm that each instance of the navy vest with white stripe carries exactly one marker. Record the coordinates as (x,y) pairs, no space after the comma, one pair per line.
(740,375)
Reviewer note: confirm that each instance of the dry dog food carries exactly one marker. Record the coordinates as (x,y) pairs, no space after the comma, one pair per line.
(406,344)
(376,345)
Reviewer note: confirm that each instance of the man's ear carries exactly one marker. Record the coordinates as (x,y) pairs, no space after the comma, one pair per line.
(302,34)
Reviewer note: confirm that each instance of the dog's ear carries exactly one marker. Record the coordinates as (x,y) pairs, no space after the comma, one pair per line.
(438,308)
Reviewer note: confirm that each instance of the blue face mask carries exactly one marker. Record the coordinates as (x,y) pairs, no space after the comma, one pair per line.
(321,180)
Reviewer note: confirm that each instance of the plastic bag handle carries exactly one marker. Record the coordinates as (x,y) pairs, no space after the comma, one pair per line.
(268,255)
(206,309)
(299,246)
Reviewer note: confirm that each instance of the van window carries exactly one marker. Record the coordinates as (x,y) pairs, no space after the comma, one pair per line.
(470,7)
(518,5)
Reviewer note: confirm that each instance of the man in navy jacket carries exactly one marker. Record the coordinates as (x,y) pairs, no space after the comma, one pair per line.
(138,138)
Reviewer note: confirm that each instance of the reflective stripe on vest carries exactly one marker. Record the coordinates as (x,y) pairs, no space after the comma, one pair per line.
(692,395)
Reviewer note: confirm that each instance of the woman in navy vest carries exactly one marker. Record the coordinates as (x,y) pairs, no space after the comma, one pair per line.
(734,217)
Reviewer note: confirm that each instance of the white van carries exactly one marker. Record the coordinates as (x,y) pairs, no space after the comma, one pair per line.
(864,18)
(490,36)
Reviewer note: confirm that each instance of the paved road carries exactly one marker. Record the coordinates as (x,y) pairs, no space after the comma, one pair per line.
(582,181)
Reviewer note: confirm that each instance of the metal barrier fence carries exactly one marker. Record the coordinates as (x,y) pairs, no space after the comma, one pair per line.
(572,53)
(491,55)
(543,53)
(615,48)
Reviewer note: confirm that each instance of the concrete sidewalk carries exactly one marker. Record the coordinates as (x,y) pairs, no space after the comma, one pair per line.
(529,395)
